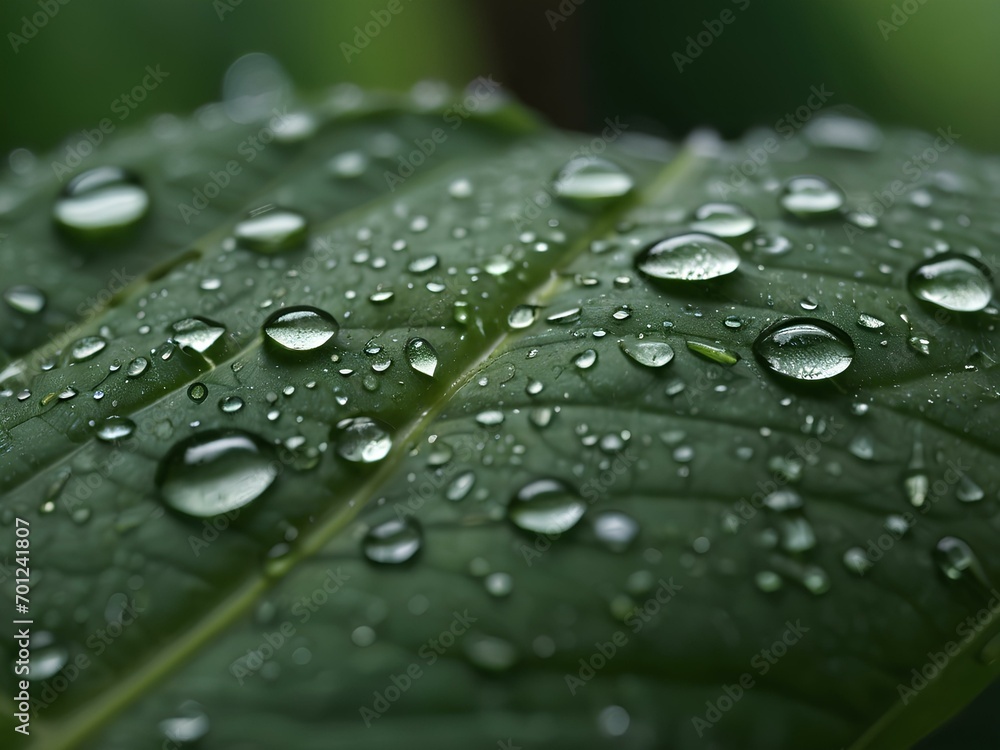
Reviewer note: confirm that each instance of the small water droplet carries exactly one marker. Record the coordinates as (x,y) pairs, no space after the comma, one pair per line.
(196,333)
(647,351)
(101,202)
(723,220)
(197,392)
(856,561)
(499,584)
(490,418)
(393,542)
(805,349)
(589,182)
(955,558)
(362,440)
(113,429)
(25,299)
(714,352)
(421,356)
(270,229)
(952,281)
(190,726)
(422,265)
(808,196)
(299,329)
(137,367)
(688,257)
(546,506)
(47,657)
(231,404)
(460,486)
(615,529)
(585,359)
(870,322)
(87,347)
(215,472)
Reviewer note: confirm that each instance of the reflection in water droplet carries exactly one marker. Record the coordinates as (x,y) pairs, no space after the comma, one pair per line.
(299,329)
(362,440)
(137,367)
(271,229)
(392,542)
(952,281)
(688,257)
(196,333)
(723,220)
(546,506)
(714,352)
(197,392)
(805,349)
(25,299)
(421,356)
(112,429)
(870,322)
(808,196)
(215,472)
(101,202)
(647,351)
(589,182)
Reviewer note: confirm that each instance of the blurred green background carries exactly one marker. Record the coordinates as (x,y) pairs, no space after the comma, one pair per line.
(925,63)
(667,66)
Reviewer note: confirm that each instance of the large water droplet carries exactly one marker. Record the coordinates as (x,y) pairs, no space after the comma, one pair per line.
(196,333)
(590,182)
(300,329)
(101,202)
(646,351)
(271,229)
(87,347)
(522,316)
(723,220)
(688,257)
(421,356)
(392,542)
(215,472)
(952,281)
(112,429)
(546,506)
(137,367)
(25,299)
(809,196)
(362,440)
(805,349)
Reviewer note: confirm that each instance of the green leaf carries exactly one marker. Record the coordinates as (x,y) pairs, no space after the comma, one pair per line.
(604,510)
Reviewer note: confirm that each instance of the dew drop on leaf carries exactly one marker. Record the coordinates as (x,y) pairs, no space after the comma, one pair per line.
(47,657)
(546,506)
(688,257)
(646,351)
(808,196)
(421,356)
(522,316)
(362,440)
(299,329)
(392,542)
(588,182)
(101,202)
(952,281)
(197,392)
(615,529)
(723,220)
(805,349)
(113,429)
(196,333)
(137,367)
(271,229)
(25,299)
(215,472)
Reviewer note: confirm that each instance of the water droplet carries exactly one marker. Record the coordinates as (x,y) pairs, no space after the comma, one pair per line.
(215,472)
(767,581)
(856,561)
(688,257)
(197,392)
(101,202)
(870,321)
(968,491)
(300,329)
(196,333)
(422,265)
(137,367)
(87,347)
(490,418)
(714,352)
(499,584)
(646,351)
(952,281)
(421,356)
(546,506)
(805,349)
(522,316)
(271,229)
(809,196)
(348,164)
(189,727)
(955,557)
(393,542)
(613,721)
(25,299)
(362,440)
(615,529)
(585,359)
(231,404)
(112,429)
(47,657)
(723,220)
(589,182)
(460,486)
